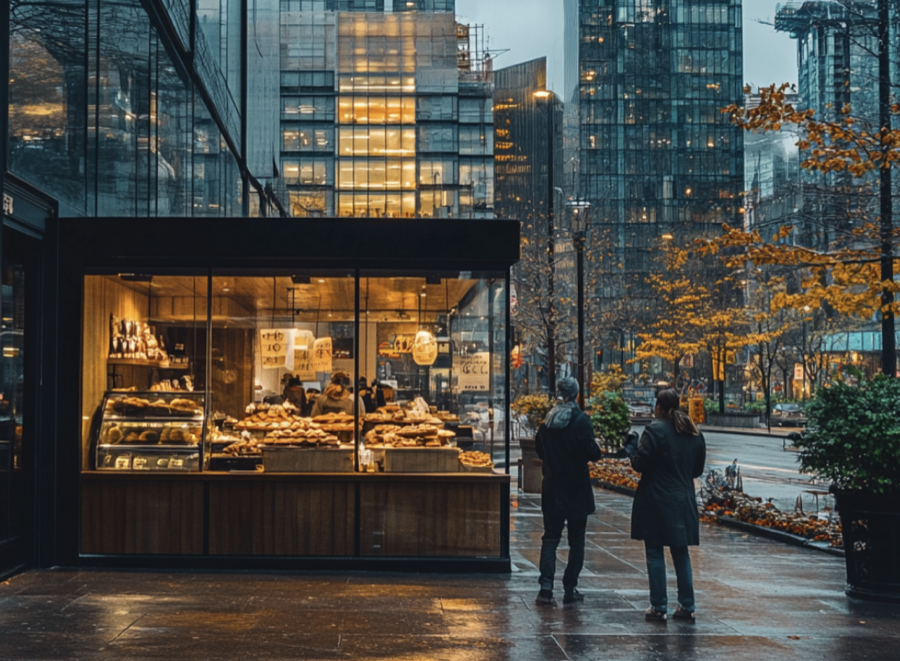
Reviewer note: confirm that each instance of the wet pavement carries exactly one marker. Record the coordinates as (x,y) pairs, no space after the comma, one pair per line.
(757,599)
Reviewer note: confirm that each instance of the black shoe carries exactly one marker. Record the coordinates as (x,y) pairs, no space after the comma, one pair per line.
(653,615)
(572,596)
(681,614)
(545,598)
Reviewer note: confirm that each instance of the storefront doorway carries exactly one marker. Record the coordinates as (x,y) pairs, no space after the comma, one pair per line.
(19,281)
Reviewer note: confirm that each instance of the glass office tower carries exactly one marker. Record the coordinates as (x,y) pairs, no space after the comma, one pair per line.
(378,118)
(645,82)
(117,110)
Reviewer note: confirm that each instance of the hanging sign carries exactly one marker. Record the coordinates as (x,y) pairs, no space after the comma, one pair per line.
(474,372)
(274,346)
(404,343)
(425,348)
(303,339)
(322,354)
(798,372)
(303,365)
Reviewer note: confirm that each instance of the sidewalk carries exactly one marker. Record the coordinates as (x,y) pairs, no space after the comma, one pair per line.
(757,600)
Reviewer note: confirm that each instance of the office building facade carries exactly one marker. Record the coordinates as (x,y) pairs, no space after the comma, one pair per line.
(528,168)
(380,114)
(645,82)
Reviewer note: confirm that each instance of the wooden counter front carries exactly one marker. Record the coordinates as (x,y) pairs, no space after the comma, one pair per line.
(452,515)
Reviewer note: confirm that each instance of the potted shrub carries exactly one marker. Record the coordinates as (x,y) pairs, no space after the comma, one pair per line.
(534,408)
(610,418)
(853,439)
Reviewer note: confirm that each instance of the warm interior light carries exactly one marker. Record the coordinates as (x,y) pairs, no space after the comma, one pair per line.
(542,94)
(668,236)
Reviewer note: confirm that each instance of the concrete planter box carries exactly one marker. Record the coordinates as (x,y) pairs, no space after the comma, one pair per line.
(532,476)
(742,420)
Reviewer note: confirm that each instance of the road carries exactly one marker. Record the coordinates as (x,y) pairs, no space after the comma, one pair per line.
(767,469)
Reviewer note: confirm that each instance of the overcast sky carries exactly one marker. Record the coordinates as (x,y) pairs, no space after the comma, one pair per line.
(532,28)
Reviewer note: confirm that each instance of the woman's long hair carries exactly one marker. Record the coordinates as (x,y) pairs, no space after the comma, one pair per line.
(670,403)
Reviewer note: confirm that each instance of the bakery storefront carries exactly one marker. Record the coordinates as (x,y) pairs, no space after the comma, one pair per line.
(284,393)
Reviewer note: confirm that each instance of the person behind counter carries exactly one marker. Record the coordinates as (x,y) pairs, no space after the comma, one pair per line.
(372,397)
(292,392)
(337,397)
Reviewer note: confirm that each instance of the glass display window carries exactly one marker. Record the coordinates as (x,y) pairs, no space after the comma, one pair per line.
(295,371)
(282,372)
(145,337)
(432,346)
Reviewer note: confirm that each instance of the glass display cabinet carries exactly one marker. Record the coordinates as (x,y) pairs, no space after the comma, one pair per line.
(150,431)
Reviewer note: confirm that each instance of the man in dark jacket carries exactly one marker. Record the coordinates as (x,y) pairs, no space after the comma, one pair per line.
(565,442)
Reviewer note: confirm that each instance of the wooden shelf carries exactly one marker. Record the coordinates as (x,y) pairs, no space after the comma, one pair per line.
(137,362)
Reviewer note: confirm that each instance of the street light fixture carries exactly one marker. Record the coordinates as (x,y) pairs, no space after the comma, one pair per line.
(546,100)
(579,215)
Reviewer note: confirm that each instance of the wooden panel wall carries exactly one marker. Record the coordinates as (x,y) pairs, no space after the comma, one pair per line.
(142,517)
(281,518)
(103,296)
(430,519)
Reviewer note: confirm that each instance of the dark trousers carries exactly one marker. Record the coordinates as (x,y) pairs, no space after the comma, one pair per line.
(553,527)
(656,572)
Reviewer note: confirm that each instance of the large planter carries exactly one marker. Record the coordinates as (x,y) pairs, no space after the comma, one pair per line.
(532,476)
(871,530)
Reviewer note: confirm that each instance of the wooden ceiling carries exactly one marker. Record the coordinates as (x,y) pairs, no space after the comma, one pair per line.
(322,299)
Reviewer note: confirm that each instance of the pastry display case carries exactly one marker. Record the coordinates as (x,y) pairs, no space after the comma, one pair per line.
(150,431)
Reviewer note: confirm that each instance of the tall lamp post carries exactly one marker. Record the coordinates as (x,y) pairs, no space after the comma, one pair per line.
(547,99)
(579,214)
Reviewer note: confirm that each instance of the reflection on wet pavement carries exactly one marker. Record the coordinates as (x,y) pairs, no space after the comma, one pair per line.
(757,599)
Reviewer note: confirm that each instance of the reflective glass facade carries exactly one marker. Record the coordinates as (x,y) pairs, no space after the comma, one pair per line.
(376,118)
(655,156)
(837,65)
(114,113)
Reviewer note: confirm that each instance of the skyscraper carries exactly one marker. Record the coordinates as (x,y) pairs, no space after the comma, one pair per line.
(645,82)
(381,114)
(528,167)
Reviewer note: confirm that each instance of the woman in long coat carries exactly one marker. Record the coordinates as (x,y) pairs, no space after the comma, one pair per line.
(669,455)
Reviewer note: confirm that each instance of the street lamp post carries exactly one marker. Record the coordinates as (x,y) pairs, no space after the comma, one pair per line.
(547,100)
(580,211)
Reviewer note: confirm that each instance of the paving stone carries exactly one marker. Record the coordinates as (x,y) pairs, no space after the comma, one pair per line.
(757,600)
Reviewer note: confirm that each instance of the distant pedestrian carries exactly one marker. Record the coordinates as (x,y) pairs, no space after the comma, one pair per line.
(669,455)
(565,442)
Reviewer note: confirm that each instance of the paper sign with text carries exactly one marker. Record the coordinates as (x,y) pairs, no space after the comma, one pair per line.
(474,372)
(275,346)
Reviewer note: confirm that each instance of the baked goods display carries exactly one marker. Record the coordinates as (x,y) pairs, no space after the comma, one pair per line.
(244,447)
(396,415)
(410,436)
(145,434)
(476,459)
(133,406)
(140,431)
(283,426)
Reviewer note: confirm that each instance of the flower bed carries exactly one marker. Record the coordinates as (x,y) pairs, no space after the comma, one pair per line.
(616,473)
(739,506)
(733,507)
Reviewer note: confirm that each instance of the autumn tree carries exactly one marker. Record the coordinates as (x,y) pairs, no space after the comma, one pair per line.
(854,273)
(699,307)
